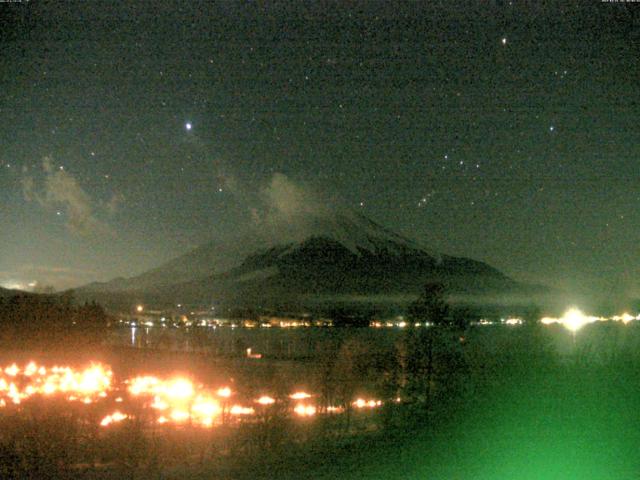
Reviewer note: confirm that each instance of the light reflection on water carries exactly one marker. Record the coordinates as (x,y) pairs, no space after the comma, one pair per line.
(305,342)
(282,343)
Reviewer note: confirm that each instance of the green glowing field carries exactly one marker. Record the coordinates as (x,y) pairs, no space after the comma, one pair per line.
(574,423)
(525,417)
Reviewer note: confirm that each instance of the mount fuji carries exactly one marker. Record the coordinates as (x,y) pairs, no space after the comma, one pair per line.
(312,259)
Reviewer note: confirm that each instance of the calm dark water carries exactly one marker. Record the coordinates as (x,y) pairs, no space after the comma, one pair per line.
(596,342)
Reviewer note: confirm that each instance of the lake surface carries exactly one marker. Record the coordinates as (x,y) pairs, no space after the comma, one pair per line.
(595,342)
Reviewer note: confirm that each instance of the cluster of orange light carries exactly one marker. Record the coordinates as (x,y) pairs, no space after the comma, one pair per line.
(362,403)
(177,400)
(334,409)
(113,418)
(18,384)
(305,410)
(180,401)
(299,396)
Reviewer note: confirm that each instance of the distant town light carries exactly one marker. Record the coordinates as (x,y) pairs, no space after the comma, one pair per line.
(624,318)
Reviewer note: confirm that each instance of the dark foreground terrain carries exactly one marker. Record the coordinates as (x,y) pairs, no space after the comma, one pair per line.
(572,423)
(520,411)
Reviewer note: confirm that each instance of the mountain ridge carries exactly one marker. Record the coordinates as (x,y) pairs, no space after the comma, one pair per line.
(324,257)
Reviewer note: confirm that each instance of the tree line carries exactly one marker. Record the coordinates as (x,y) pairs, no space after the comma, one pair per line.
(32,320)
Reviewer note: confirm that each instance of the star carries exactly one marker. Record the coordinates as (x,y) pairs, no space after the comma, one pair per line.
(504,40)
(188,126)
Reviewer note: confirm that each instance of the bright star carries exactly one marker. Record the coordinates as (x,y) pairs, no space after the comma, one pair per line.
(504,40)
(188,125)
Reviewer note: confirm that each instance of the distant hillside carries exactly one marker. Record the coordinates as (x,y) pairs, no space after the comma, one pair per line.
(6,292)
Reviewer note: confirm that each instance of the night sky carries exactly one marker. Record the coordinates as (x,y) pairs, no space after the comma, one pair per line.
(134,131)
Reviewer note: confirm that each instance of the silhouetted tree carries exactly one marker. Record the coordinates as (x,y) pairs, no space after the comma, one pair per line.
(531,314)
(461,316)
(351,366)
(430,306)
(426,355)
(51,321)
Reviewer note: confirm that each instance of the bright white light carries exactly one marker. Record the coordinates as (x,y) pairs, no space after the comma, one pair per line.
(624,318)
(574,319)
(188,125)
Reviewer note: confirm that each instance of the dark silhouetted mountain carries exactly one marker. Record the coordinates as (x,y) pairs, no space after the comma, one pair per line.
(324,259)
(7,292)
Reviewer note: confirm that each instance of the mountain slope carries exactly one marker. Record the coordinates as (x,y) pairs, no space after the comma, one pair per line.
(315,257)
(354,231)
(322,266)
(207,259)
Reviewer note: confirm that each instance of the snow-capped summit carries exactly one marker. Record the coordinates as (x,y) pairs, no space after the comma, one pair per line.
(357,232)
(343,253)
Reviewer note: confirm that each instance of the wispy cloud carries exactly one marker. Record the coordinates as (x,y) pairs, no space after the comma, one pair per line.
(286,201)
(40,277)
(61,191)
